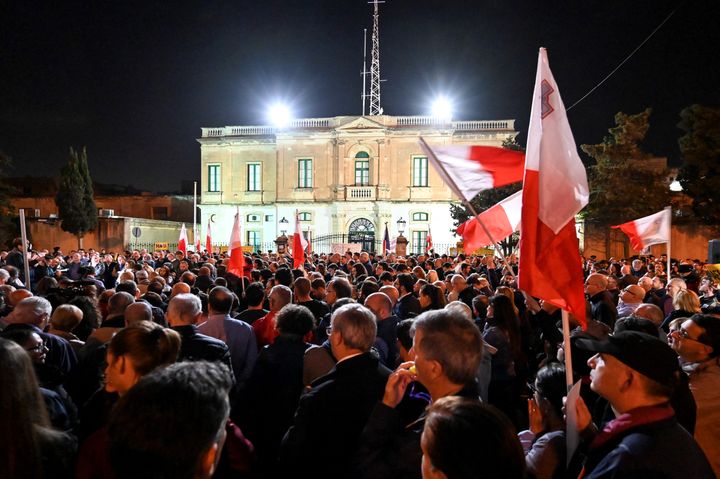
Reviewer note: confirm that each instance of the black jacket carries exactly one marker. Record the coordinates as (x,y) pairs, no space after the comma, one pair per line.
(331,416)
(388,449)
(198,347)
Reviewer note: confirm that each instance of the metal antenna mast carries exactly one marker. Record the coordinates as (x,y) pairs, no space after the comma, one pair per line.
(375,108)
(364,71)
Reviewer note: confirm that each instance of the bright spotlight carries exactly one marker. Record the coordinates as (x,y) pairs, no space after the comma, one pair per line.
(279,115)
(442,108)
(675,186)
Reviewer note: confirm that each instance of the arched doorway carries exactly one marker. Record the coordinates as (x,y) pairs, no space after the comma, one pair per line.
(362,231)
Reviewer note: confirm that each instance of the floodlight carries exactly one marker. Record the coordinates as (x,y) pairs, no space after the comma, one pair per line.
(279,115)
(441,108)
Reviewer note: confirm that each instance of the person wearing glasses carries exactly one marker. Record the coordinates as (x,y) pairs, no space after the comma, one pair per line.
(630,298)
(332,414)
(637,374)
(697,342)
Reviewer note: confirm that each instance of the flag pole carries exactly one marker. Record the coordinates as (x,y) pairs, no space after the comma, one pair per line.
(669,241)
(566,346)
(465,201)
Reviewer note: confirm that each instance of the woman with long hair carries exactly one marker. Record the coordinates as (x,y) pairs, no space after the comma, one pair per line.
(502,332)
(431,297)
(133,352)
(28,446)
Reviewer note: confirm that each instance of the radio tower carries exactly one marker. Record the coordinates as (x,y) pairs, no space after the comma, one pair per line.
(375,108)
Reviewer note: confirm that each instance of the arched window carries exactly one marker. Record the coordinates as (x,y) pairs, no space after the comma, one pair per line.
(362,168)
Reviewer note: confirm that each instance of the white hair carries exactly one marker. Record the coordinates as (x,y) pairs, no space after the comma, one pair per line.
(32,310)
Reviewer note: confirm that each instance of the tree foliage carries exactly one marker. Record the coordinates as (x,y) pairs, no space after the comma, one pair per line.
(489,198)
(700,148)
(624,183)
(75,198)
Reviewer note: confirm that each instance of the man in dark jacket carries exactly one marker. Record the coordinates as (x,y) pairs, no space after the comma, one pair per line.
(602,308)
(447,349)
(408,306)
(331,416)
(637,374)
(183,313)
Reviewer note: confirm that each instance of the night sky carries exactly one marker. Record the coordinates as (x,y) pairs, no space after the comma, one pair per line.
(136,80)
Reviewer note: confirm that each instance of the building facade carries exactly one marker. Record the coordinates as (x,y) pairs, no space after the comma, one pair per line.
(346,177)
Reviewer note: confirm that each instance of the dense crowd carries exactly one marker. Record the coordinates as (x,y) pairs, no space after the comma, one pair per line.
(362,365)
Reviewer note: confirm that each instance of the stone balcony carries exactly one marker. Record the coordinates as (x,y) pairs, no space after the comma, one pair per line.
(360,193)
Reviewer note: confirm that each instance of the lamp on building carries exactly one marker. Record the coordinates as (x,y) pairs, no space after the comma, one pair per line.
(282,240)
(401,242)
(401,223)
(283,226)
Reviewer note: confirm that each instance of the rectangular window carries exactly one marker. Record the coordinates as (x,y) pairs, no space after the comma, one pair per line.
(253,177)
(418,241)
(160,212)
(362,172)
(420,171)
(213,178)
(305,179)
(253,239)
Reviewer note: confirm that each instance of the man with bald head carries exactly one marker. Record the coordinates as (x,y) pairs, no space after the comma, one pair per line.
(180,288)
(386,341)
(630,298)
(238,335)
(602,306)
(391,292)
(136,312)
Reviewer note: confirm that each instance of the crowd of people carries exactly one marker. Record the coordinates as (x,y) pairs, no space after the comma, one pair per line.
(361,365)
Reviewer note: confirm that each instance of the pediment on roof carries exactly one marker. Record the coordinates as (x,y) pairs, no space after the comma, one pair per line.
(360,123)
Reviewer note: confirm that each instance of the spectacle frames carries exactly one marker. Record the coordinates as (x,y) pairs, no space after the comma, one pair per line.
(684,335)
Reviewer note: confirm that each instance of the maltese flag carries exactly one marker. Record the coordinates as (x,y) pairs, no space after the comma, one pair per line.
(501,221)
(647,231)
(555,189)
(183,240)
(237,257)
(468,170)
(208,240)
(300,244)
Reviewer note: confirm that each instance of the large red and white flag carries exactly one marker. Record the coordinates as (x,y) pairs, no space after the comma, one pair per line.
(647,231)
(183,240)
(555,189)
(468,170)
(237,257)
(501,220)
(196,235)
(300,244)
(208,239)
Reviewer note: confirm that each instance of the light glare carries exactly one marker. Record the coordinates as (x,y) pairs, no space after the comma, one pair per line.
(442,108)
(279,115)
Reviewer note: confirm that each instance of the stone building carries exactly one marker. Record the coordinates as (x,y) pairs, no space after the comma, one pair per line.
(346,176)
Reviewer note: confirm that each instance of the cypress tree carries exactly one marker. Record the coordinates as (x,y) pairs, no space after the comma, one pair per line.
(75,202)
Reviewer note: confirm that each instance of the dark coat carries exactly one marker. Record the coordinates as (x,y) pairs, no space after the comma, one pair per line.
(331,416)
(198,347)
(389,449)
(658,449)
(407,307)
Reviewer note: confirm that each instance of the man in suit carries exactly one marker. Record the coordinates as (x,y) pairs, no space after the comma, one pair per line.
(408,306)
(332,414)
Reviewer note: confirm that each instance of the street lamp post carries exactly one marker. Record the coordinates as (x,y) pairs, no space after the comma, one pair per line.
(282,240)
(401,242)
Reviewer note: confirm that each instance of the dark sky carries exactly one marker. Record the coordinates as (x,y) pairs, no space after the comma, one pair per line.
(136,80)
